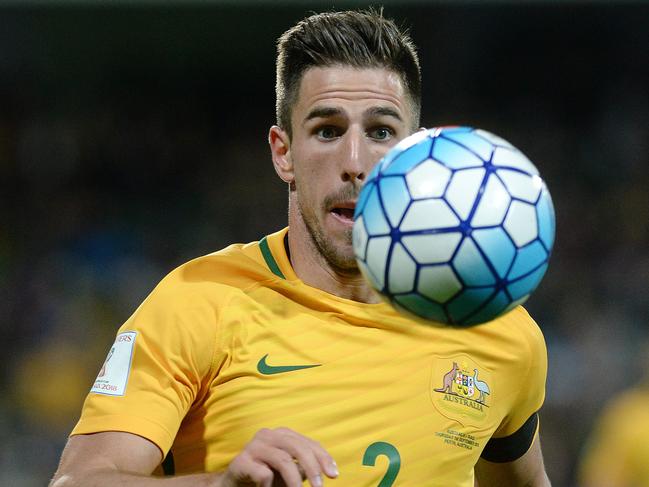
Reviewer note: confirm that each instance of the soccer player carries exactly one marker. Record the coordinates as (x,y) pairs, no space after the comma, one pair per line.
(274,363)
(617,454)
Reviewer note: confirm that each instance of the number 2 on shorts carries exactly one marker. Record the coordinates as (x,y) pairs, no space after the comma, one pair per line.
(394,461)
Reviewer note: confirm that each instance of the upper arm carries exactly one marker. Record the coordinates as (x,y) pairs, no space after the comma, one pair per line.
(111,450)
(526,471)
(162,363)
(513,456)
(525,377)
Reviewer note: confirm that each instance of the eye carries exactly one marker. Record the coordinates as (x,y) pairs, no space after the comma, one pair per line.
(381,133)
(328,132)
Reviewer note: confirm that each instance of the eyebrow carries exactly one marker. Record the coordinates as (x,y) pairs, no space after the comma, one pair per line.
(323,112)
(384,111)
(326,112)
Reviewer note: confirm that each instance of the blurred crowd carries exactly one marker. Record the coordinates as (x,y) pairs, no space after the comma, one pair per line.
(133,140)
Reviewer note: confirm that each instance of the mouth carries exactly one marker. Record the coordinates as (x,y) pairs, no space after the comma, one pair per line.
(344,211)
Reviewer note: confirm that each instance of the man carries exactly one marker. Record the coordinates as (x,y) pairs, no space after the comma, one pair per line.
(265,364)
(618,448)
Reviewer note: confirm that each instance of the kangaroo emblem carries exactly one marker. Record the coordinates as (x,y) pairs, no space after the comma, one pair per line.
(449,377)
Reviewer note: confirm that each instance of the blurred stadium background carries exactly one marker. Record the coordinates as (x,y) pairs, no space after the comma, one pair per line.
(133,138)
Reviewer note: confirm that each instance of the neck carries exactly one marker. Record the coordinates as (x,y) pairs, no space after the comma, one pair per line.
(314,270)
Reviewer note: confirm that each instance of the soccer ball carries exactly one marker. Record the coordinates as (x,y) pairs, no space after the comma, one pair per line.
(454,225)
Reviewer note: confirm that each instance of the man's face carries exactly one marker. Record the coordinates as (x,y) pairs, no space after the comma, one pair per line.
(344,121)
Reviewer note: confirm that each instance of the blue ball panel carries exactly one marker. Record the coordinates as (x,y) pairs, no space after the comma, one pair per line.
(498,248)
(368,189)
(377,260)
(402,146)
(496,306)
(545,212)
(375,221)
(394,190)
(526,285)
(471,266)
(471,141)
(529,258)
(454,156)
(467,303)
(411,157)
(420,306)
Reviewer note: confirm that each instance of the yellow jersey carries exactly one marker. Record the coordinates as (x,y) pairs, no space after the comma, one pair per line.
(233,342)
(618,450)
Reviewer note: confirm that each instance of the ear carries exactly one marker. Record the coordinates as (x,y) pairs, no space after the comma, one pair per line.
(280,148)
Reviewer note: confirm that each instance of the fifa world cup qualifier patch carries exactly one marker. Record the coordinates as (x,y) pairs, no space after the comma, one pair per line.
(461,389)
(113,375)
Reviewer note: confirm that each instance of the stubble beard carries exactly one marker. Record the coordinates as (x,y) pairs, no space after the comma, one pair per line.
(340,261)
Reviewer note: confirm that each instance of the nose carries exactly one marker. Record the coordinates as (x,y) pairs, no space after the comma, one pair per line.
(355,157)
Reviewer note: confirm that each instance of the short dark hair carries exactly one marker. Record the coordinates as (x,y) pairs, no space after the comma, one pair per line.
(360,39)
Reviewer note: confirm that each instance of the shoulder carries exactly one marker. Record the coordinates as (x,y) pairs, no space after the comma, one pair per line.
(515,332)
(199,290)
(517,348)
(522,324)
(528,339)
(234,268)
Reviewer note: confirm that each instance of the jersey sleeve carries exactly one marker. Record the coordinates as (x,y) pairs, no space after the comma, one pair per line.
(515,434)
(159,365)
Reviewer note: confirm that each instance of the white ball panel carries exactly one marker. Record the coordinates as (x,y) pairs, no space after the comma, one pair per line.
(494,139)
(401,276)
(522,185)
(377,256)
(359,238)
(521,223)
(513,158)
(438,283)
(463,190)
(428,214)
(493,205)
(432,249)
(428,180)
